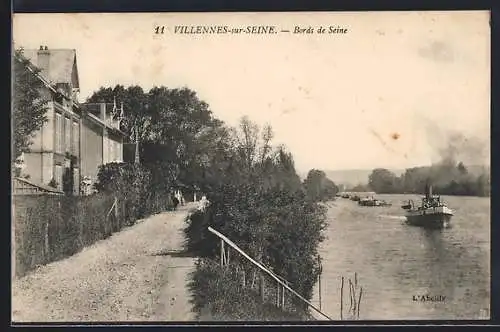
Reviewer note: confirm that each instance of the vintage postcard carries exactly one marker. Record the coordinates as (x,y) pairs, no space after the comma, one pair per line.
(200,167)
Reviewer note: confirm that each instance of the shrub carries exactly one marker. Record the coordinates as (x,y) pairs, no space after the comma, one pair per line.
(219,295)
(134,184)
(199,241)
(278,227)
(31,217)
(258,201)
(49,228)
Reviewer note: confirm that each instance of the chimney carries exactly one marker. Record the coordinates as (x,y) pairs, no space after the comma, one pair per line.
(43,60)
(102,112)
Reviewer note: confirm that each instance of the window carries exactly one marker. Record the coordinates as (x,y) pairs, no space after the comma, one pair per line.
(76,181)
(58,133)
(58,176)
(117,154)
(59,98)
(112,148)
(67,135)
(76,139)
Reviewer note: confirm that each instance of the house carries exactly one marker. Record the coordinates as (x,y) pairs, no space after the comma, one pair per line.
(75,140)
(101,139)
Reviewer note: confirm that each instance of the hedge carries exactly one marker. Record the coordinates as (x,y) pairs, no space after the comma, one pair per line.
(49,227)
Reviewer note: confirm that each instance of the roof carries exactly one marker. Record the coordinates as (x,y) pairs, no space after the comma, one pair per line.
(99,121)
(62,63)
(93,111)
(36,187)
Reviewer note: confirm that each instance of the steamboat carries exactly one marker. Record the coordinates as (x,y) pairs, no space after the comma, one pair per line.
(432,212)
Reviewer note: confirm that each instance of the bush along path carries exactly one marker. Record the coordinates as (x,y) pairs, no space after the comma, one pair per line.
(260,203)
(137,274)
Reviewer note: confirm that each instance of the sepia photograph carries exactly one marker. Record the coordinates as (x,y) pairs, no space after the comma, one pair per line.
(243,167)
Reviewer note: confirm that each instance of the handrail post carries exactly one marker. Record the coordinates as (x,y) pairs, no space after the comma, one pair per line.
(283,297)
(278,295)
(221,252)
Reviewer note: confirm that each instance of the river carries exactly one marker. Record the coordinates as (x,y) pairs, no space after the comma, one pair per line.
(395,262)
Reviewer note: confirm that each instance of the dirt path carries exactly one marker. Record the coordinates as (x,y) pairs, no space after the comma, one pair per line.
(131,276)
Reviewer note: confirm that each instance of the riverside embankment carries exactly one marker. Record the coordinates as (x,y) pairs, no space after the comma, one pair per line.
(134,275)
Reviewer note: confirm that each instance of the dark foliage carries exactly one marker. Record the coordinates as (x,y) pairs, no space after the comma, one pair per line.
(49,228)
(319,187)
(219,296)
(259,203)
(29,106)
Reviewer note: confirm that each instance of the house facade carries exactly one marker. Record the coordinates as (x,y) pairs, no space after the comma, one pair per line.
(75,140)
(101,139)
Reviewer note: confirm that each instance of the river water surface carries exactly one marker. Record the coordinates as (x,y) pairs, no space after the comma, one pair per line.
(395,262)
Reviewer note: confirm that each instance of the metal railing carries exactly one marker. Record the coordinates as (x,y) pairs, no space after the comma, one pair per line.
(281,281)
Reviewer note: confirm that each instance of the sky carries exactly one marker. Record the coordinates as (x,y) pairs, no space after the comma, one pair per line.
(387,93)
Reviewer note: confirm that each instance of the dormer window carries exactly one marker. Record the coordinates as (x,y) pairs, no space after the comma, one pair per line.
(59,98)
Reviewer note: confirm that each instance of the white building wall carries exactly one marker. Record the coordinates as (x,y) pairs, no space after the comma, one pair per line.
(120,151)
(44,138)
(105,147)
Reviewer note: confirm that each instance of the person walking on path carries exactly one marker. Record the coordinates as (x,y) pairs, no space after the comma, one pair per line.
(175,202)
(180,197)
(203,204)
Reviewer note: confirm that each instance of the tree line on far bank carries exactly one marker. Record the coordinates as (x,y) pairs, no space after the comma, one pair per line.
(447,178)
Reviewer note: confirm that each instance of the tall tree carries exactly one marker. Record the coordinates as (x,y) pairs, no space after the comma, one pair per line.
(383,181)
(319,187)
(185,124)
(29,106)
(176,130)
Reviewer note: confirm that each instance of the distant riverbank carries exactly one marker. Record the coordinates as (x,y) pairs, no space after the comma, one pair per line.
(417,193)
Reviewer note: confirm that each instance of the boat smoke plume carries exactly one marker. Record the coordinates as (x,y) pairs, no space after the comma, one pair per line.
(458,157)
(457,147)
